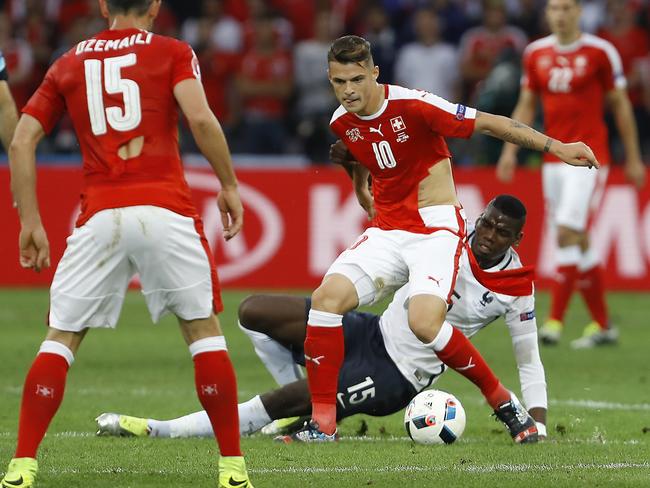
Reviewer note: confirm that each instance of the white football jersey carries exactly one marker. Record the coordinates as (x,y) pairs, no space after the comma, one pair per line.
(473,307)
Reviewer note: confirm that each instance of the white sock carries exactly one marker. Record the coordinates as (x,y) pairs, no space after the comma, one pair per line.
(277,358)
(252,417)
(196,424)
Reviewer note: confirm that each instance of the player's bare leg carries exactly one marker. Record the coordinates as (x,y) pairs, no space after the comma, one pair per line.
(324,347)
(42,395)
(216,388)
(427,321)
(281,317)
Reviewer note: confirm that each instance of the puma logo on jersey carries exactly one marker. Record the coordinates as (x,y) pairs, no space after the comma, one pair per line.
(435,279)
(378,130)
(315,360)
(470,365)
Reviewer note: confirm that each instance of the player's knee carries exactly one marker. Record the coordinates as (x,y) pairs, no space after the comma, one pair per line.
(324,299)
(250,313)
(425,330)
(425,324)
(336,294)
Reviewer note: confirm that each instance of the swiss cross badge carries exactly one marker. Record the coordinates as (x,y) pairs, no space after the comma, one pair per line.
(209,390)
(354,134)
(45,391)
(397,123)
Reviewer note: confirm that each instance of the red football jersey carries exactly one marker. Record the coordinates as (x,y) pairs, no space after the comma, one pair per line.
(118,86)
(572,82)
(398,145)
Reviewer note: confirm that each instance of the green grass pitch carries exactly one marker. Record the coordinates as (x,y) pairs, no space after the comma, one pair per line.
(599,413)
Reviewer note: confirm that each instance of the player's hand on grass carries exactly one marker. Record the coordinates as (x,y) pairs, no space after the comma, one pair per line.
(575,154)
(635,172)
(506,167)
(34,247)
(232,212)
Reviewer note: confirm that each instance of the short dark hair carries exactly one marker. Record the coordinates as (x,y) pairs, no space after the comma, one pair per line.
(140,7)
(350,49)
(510,207)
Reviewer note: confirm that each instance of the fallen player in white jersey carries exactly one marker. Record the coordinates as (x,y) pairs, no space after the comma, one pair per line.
(385,364)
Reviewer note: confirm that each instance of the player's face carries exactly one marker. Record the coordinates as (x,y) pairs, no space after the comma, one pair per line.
(353,85)
(494,234)
(563,16)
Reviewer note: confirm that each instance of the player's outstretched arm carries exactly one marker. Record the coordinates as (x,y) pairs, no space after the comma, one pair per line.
(8,115)
(34,246)
(525,113)
(619,102)
(211,140)
(506,129)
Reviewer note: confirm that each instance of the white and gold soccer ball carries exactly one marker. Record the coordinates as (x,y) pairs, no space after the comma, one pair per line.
(434,417)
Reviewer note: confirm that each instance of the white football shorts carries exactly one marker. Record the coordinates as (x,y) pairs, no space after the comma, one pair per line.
(380,261)
(167,249)
(572,193)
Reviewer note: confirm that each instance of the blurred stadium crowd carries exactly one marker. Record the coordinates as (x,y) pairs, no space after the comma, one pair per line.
(264,62)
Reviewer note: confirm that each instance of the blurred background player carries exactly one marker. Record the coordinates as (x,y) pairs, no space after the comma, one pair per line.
(397,136)
(121,88)
(385,364)
(8,112)
(573,73)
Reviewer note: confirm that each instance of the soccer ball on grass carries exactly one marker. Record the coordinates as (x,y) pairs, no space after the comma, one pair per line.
(434,417)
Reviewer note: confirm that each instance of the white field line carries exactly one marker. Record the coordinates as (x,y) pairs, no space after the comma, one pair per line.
(476,469)
(583,404)
(473,469)
(598,405)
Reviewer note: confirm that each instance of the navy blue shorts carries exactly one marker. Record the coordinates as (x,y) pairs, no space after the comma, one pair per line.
(369,381)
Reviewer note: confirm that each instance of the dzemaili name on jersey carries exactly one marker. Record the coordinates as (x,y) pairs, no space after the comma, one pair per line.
(104,45)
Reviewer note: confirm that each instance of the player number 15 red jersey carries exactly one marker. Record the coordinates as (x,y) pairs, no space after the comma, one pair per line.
(117,86)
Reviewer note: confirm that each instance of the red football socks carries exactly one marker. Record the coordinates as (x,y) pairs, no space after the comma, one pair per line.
(324,350)
(42,396)
(216,387)
(461,355)
(592,288)
(561,291)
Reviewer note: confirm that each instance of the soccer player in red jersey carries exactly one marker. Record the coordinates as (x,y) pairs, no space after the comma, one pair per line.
(573,73)
(121,89)
(397,136)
